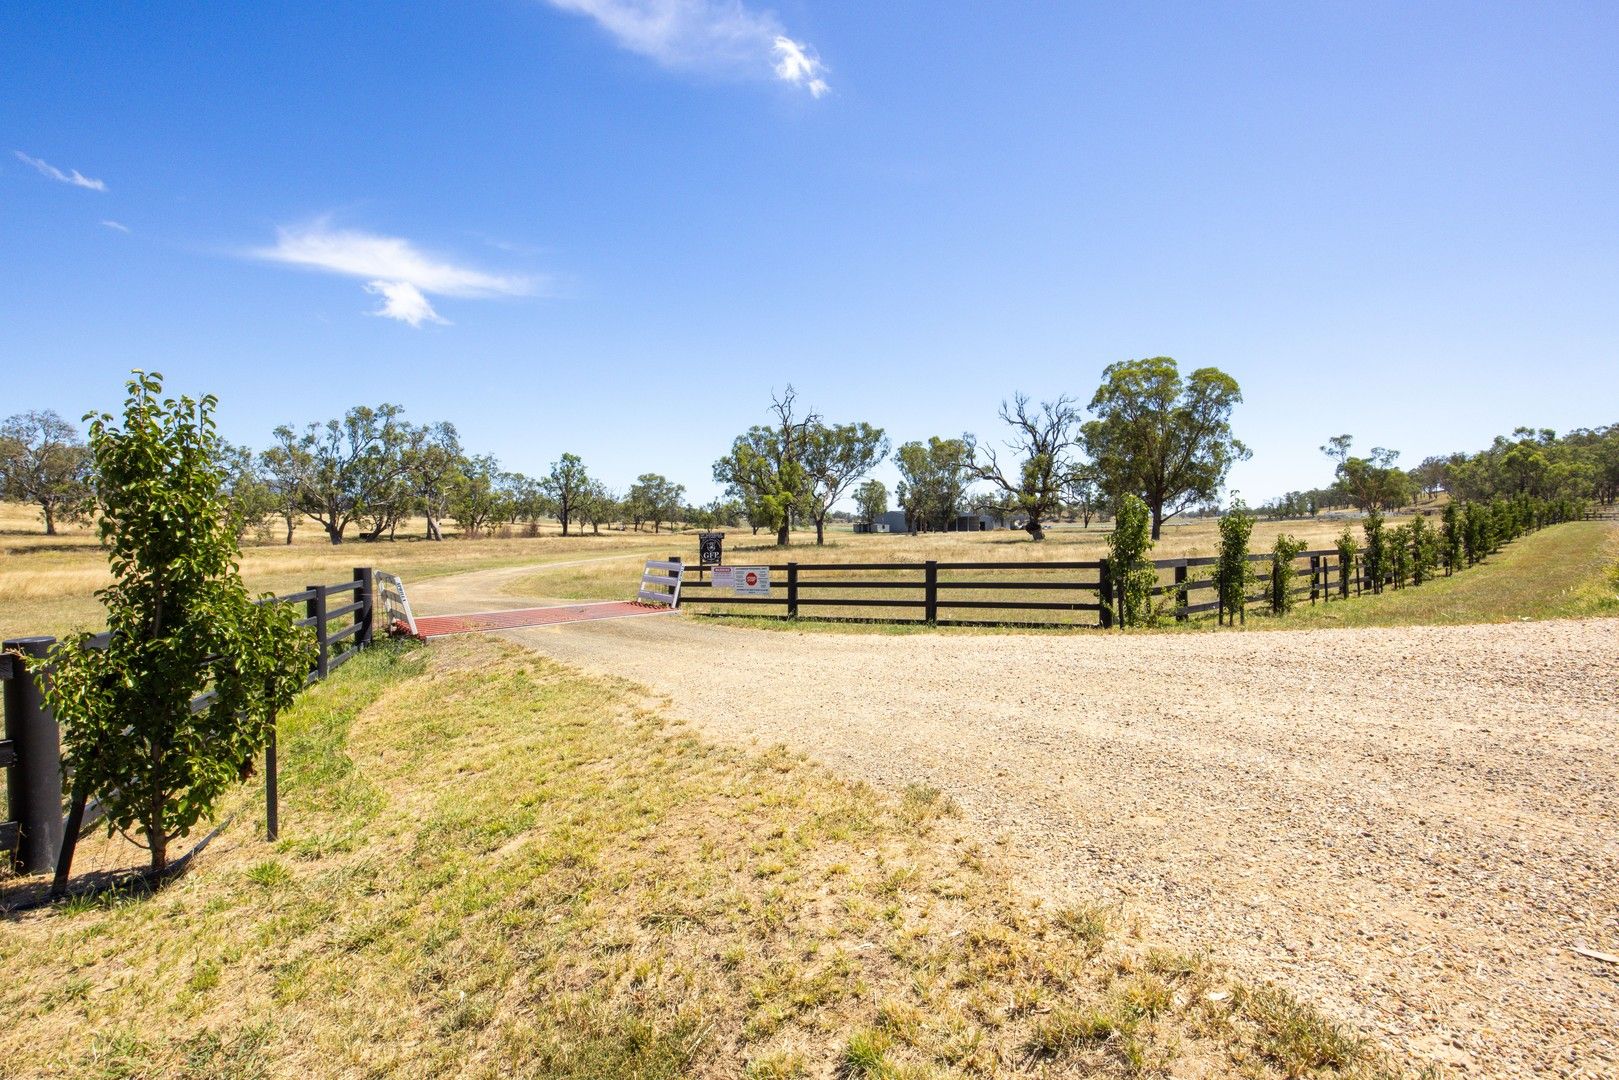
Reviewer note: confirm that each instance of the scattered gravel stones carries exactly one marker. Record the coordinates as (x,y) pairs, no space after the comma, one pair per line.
(1413,828)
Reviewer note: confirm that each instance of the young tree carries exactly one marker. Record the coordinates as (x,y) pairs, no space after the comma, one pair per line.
(765,467)
(1162,437)
(44,462)
(1134,577)
(1083,496)
(181,622)
(1233,573)
(835,456)
(934,479)
(1045,440)
(871,501)
(598,506)
(566,484)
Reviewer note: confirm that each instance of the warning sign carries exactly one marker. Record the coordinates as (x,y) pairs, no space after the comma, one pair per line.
(724,577)
(751,580)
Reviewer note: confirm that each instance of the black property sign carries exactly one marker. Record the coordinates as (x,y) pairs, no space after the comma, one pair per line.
(711,548)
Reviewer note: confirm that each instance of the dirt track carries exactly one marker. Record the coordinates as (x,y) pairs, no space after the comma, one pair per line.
(1411,827)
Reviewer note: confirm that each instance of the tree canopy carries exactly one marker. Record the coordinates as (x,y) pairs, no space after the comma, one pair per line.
(1165,438)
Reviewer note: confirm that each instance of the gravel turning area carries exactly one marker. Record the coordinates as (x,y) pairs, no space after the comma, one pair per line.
(1412,828)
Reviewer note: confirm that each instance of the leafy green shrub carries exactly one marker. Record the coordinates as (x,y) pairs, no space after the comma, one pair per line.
(1453,537)
(1347,550)
(1376,563)
(181,622)
(1425,544)
(1233,573)
(1397,553)
(1282,554)
(1133,575)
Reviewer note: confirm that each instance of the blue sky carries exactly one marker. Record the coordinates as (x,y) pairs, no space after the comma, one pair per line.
(613,226)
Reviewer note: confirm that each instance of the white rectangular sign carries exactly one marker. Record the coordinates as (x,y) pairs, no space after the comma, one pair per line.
(751,580)
(723,577)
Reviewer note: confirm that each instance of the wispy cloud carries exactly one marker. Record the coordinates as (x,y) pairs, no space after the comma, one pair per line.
(72,176)
(707,34)
(116,226)
(390,267)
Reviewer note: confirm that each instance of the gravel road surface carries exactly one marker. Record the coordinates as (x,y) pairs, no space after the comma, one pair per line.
(1413,828)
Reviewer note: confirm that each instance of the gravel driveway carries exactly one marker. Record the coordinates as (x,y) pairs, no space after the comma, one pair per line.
(1410,827)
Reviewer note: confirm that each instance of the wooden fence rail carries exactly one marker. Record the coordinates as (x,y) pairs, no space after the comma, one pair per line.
(36,837)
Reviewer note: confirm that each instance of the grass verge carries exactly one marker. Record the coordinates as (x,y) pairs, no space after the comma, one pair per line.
(493,866)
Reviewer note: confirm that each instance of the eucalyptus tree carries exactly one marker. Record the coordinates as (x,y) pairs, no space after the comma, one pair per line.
(43,461)
(835,456)
(934,477)
(431,456)
(567,485)
(354,464)
(765,467)
(1163,437)
(1045,441)
(871,501)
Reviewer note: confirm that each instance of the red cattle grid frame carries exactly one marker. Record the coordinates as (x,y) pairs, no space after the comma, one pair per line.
(443,625)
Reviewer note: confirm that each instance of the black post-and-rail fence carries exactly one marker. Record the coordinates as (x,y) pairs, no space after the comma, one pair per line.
(36,837)
(931,592)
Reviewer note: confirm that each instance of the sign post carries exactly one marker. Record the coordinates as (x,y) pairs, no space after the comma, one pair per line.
(710,548)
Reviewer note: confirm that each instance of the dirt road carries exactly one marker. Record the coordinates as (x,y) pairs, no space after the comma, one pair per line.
(1413,828)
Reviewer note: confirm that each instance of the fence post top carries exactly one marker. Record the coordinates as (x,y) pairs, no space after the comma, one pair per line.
(26,644)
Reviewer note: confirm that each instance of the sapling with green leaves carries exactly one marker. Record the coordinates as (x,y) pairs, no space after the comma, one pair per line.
(181,622)
(1347,550)
(1282,553)
(1453,537)
(1398,554)
(1128,545)
(1376,549)
(1233,573)
(1424,550)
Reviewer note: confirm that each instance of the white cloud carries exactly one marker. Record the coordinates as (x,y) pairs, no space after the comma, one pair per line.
(708,34)
(391,267)
(403,301)
(798,67)
(72,176)
(117,226)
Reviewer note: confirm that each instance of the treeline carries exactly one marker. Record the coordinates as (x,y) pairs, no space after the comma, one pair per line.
(1533,462)
(1152,433)
(365,473)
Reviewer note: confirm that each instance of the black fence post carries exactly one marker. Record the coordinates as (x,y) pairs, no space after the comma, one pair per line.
(272,790)
(315,608)
(1104,593)
(365,594)
(34,791)
(1315,577)
(792,590)
(1183,595)
(930,591)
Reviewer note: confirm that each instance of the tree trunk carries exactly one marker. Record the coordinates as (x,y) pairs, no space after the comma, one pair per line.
(1157,520)
(1036,532)
(433,530)
(50,519)
(334,533)
(563,519)
(291,525)
(782,535)
(820,531)
(156,838)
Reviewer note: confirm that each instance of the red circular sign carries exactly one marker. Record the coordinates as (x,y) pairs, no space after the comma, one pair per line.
(752,578)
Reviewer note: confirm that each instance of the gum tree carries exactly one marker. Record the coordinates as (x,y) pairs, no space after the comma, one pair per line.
(1046,440)
(181,622)
(44,462)
(1163,437)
